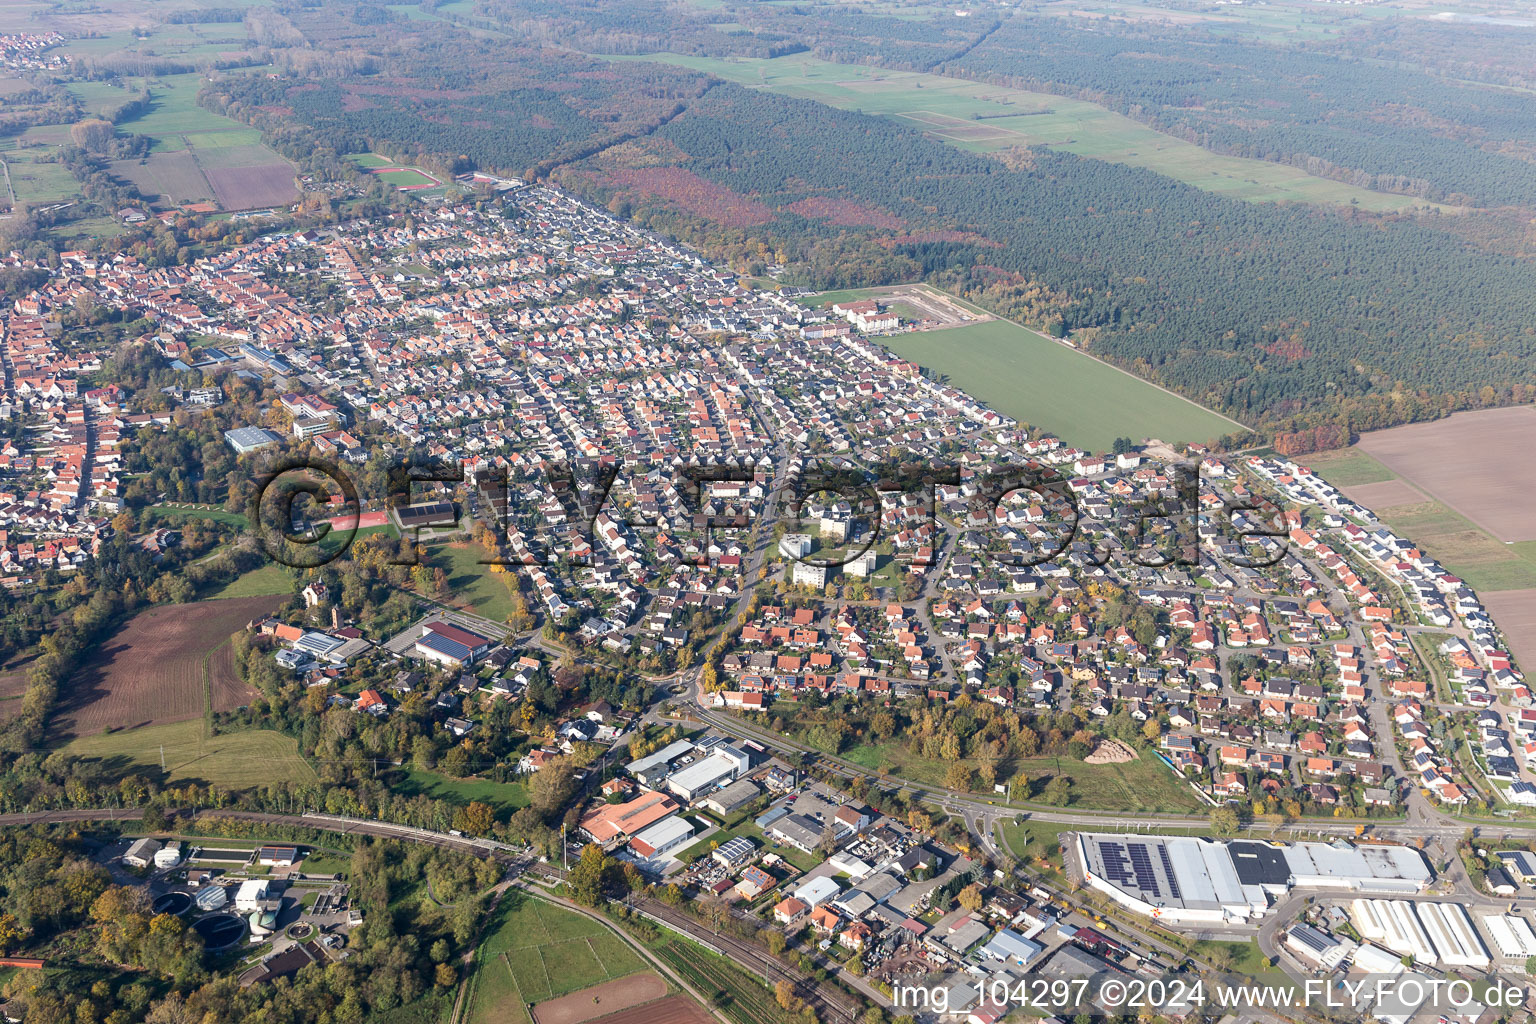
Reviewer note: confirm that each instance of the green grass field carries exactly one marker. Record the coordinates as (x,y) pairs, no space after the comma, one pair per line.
(39,181)
(1347,467)
(534,951)
(1046,384)
(1016,117)
(269,579)
(404,176)
(217,515)
(471,585)
(97,97)
(505,795)
(1145,784)
(496,998)
(233,761)
(369,160)
(203,141)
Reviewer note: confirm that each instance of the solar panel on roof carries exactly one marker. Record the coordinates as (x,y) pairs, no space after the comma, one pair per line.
(436,512)
(442,645)
(1173,882)
(1141,863)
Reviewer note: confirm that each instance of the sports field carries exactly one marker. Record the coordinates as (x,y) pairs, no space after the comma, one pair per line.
(1048,385)
(949,108)
(406,177)
(232,761)
(535,951)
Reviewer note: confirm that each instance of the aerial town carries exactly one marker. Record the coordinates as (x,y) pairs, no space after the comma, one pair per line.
(864,607)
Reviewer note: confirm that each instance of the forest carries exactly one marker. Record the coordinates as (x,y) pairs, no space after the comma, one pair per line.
(1372,123)
(1261,311)
(1404,106)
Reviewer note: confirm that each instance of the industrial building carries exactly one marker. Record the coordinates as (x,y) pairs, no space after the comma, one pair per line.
(609,822)
(654,767)
(662,837)
(1201,881)
(250,895)
(737,794)
(1520,864)
(212,898)
(142,853)
(1512,936)
(1432,933)
(733,853)
(723,766)
(1009,947)
(1393,924)
(1318,947)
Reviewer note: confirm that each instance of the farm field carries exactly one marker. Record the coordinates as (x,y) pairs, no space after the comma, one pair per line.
(236,760)
(596,1002)
(173,109)
(1456,487)
(1515,612)
(196,155)
(1462,547)
(173,178)
(226,690)
(151,671)
(1046,384)
(747,1000)
(947,108)
(263,182)
(1481,464)
(672,1010)
(13,686)
(540,952)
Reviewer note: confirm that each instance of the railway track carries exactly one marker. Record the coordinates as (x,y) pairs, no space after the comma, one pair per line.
(834,1005)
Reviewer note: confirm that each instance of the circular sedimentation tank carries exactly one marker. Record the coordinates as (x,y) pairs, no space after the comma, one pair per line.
(177,903)
(220,931)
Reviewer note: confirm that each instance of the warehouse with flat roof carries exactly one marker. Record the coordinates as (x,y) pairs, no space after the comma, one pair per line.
(1181,880)
(662,837)
(1511,935)
(699,778)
